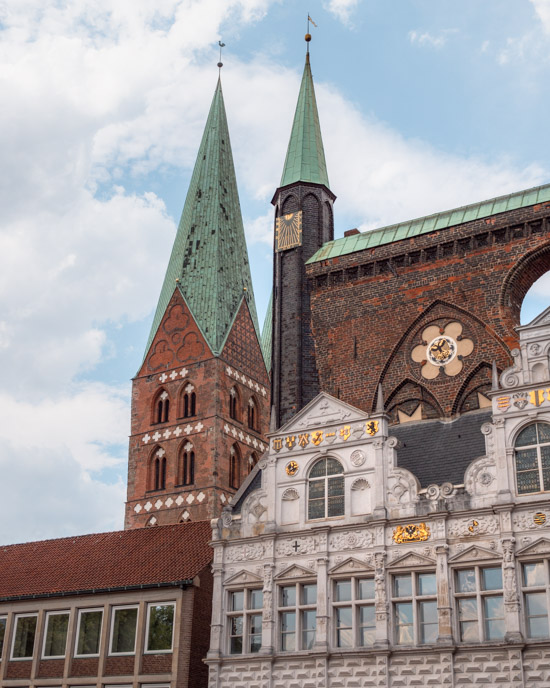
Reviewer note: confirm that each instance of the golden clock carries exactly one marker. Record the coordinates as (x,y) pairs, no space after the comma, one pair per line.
(288,231)
(291,468)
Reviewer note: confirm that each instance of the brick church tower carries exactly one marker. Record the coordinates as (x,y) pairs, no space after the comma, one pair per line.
(303,223)
(200,401)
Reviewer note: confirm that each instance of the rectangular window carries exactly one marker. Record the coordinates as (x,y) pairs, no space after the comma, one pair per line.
(23,640)
(3,621)
(297,616)
(160,627)
(353,605)
(415,608)
(123,630)
(479,602)
(55,637)
(89,632)
(535,586)
(245,621)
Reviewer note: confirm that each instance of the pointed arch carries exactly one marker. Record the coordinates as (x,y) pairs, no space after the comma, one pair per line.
(157,469)
(186,464)
(252,461)
(187,400)
(290,204)
(253,413)
(234,403)
(407,396)
(234,467)
(151,521)
(328,222)
(160,409)
(312,210)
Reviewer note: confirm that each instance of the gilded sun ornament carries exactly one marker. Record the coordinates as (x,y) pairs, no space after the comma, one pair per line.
(442,349)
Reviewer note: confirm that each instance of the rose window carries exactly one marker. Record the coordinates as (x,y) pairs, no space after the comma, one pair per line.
(442,348)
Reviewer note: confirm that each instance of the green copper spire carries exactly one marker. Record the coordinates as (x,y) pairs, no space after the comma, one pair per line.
(209,261)
(305,157)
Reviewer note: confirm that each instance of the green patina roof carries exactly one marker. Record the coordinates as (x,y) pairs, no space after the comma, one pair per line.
(431,223)
(209,255)
(305,157)
(266,334)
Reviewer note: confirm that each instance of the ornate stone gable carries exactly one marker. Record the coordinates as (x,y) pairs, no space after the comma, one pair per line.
(324,410)
(295,571)
(473,554)
(351,566)
(411,560)
(243,578)
(540,546)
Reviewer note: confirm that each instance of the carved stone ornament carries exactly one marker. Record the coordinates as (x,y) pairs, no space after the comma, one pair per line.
(464,527)
(480,477)
(245,553)
(442,349)
(411,533)
(296,546)
(402,487)
(510,377)
(351,539)
(511,598)
(531,520)
(323,414)
(358,457)
(226,518)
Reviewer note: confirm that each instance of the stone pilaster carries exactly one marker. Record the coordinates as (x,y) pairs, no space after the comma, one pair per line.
(511,595)
(321,635)
(380,601)
(268,617)
(445,633)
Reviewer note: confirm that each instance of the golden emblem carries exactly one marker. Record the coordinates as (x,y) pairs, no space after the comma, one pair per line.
(441,350)
(290,441)
(288,231)
(345,432)
(539,518)
(278,444)
(303,440)
(291,468)
(411,533)
(503,403)
(473,526)
(372,427)
(317,437)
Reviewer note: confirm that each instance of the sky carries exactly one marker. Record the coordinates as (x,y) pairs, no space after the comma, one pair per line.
(425,105)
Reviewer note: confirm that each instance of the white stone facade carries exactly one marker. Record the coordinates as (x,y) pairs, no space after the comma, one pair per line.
(366,579)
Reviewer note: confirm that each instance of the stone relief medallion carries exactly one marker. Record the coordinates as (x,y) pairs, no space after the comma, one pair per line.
(245,553)
(358,458)
(473,526)
(529,521)
(351,539)
(442,349)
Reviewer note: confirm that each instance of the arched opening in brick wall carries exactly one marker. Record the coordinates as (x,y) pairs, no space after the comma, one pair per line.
(536,299)
(521,281)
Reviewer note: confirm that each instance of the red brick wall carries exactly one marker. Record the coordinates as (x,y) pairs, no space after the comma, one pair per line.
(84,667)
(119,666)
(369,307)
(200,642)
(51,668)
(20,669)
(156,664)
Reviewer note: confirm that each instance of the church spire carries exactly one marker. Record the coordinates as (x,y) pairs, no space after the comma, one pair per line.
(209,261)
(305,157)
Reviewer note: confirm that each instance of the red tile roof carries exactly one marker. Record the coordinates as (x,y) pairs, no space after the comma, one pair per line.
(125,558)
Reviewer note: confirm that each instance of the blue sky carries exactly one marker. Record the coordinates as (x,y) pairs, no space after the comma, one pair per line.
(424,106)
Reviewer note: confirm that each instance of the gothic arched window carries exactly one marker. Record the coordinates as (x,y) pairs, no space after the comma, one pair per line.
(161,407)
(532,454)
(252,461)
(157,474)
(252,414)
(233,403)
(189,401)
(187,464)
(234,467)
(326,489)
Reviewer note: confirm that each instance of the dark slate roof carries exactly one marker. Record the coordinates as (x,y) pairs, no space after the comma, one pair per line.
(254,484)
(92,563)
(439,452)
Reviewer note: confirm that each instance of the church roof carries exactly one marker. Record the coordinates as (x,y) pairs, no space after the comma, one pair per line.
(431,223)
(122,559)
(209,261)
(305,157)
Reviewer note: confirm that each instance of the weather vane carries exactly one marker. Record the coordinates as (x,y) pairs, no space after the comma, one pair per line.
(220,63)
(308,35)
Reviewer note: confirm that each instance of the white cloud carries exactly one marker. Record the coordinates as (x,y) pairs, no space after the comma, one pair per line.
(425,38)
(258,231)
(542,8)
(342,9)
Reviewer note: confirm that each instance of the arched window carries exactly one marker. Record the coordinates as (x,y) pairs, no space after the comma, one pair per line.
(252,461)
(161,410)
(234,467)
(326,489)
(233,403)
(189,401)
(157,469)
(252,414)
(532,453)
(187,465)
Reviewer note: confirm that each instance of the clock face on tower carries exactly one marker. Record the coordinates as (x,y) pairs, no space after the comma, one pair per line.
(288,231)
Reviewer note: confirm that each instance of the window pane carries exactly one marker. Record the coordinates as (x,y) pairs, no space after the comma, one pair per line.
(526,459)
(494,618)
(309,619)
(367,625)
(426,584)
(366,589)
(336,486)
(535,604)
(491,579)
(527,436)
(467,614)
(319,470)
(544,432)
(288,596)
(255,631)
(317,489)
(56,635)
(343,591)
(256,599)
(344,633)
(335,506)
(309,594)
(334,467)
(161,622)
(236,625)
(466,580)
(403,585)
(534,574)
(546,478)
(537,627)
(124,630)
(236,645)
(404,623)
(288,622)
(237,601)
(428,622)
(316,508)
(528,481)
(2,635)
(344,616)
(25,630)
(89,633)
(545,456)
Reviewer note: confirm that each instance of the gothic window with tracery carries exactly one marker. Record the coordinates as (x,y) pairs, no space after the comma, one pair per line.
(189,401)
(187,465)
(234,467)
(233,403)
(161,411)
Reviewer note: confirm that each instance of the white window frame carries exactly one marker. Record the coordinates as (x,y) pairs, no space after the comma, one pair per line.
(55,613)
(112,628)
(85,611)
(526,590)
(159,604)
(415,599)
(480,595)
(325,480)
(536,446)
(298,608)
(246,612)
(4,616)
(355,603)
(16,620)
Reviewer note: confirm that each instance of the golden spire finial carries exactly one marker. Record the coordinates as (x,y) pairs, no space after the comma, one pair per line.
(308,35)
(220,63)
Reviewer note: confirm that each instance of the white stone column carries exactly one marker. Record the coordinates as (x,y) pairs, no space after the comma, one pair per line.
(321,634)
(216,628)
(268,616)
(380,472)
(381,601)
(511,595)
(445,632)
